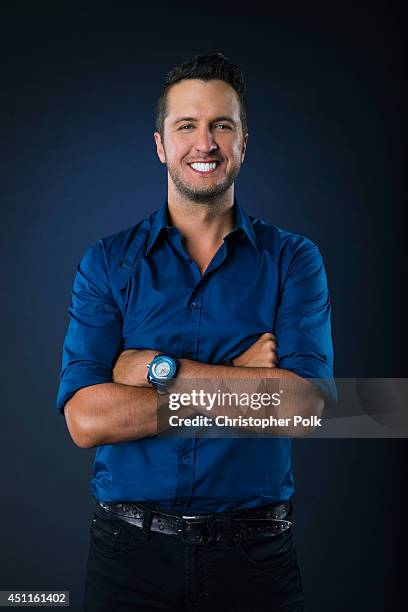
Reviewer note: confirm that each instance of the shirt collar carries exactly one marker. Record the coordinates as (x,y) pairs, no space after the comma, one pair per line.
(161,220)
(243,222)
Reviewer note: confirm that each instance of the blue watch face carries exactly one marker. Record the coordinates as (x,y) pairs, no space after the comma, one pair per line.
(162,368)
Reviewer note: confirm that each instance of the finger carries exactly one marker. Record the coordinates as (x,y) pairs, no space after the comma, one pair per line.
(267,336)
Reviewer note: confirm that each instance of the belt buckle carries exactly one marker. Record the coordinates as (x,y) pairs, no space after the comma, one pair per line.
(195,520)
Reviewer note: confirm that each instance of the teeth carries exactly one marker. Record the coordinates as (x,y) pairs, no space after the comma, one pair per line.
(202,167)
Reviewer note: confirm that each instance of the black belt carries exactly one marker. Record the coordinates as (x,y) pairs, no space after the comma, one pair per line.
(201,529)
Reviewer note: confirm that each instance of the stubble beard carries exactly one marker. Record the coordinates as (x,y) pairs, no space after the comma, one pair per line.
(205,195)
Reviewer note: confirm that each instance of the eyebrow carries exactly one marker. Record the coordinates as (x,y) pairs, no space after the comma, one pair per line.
(221,118)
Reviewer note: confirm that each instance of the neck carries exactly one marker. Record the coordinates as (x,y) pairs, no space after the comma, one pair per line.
(205,221)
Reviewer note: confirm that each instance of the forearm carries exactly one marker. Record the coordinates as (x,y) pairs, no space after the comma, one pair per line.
(298,397)
(110,412)
(196,370)
(133,367)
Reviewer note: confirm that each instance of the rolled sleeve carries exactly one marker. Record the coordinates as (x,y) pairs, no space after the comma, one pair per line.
(95,332)
(303,327)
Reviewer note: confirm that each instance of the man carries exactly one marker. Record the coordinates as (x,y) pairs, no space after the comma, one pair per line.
(198,290)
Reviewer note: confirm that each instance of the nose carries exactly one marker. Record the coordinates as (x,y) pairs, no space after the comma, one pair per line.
(205,142)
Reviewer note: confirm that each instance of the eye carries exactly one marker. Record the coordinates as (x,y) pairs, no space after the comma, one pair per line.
(223,126)
(187,125)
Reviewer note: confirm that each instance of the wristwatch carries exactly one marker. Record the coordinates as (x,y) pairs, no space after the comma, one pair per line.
(161,371)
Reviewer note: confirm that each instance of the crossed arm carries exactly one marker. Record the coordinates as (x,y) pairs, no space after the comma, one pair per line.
(126,409)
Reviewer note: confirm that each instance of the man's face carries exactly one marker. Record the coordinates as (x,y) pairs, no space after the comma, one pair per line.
(203,144)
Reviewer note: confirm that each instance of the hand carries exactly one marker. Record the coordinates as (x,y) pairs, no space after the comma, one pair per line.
(130,367)
(261,354)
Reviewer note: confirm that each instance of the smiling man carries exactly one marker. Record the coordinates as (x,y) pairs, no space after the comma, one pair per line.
(197,290)
(202,171)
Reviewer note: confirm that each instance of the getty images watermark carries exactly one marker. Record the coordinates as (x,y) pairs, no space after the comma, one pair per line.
(352,408)
(233,409)
(205,400)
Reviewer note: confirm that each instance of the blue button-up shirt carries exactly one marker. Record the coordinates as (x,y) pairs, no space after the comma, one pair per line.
(140,289)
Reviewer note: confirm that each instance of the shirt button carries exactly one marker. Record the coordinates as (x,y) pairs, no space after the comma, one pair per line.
(186,459)
(194,305)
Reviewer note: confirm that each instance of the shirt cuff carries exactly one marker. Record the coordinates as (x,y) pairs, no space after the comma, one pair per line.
(70,385)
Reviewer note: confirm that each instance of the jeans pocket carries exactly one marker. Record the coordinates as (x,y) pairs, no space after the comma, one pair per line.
(112,537)
(269,551)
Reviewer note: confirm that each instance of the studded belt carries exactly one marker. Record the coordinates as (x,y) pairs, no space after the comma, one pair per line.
(201,529)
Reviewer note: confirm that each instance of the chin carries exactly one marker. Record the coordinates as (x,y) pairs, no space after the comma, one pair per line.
(205,195)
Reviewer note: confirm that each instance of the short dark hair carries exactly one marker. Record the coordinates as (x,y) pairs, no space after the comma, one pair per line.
(206,68)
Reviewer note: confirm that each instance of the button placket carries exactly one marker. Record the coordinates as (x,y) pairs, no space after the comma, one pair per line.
(191,325)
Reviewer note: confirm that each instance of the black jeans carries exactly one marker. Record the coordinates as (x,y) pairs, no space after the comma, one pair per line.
(128,572)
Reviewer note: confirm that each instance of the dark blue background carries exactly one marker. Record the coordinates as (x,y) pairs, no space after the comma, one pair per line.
(78,162)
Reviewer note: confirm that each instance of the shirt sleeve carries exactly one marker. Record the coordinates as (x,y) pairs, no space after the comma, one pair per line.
(95,332)
(303,327)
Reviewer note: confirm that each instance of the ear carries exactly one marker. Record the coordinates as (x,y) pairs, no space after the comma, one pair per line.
(244,146)
(159,148)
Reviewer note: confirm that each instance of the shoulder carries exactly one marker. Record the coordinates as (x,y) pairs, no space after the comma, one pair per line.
(297,258)
(282,244)
(120,247)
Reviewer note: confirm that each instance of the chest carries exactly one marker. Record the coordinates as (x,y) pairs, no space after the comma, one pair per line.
(207,309)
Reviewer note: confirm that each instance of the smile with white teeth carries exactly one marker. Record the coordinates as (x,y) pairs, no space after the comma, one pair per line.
(203,166)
